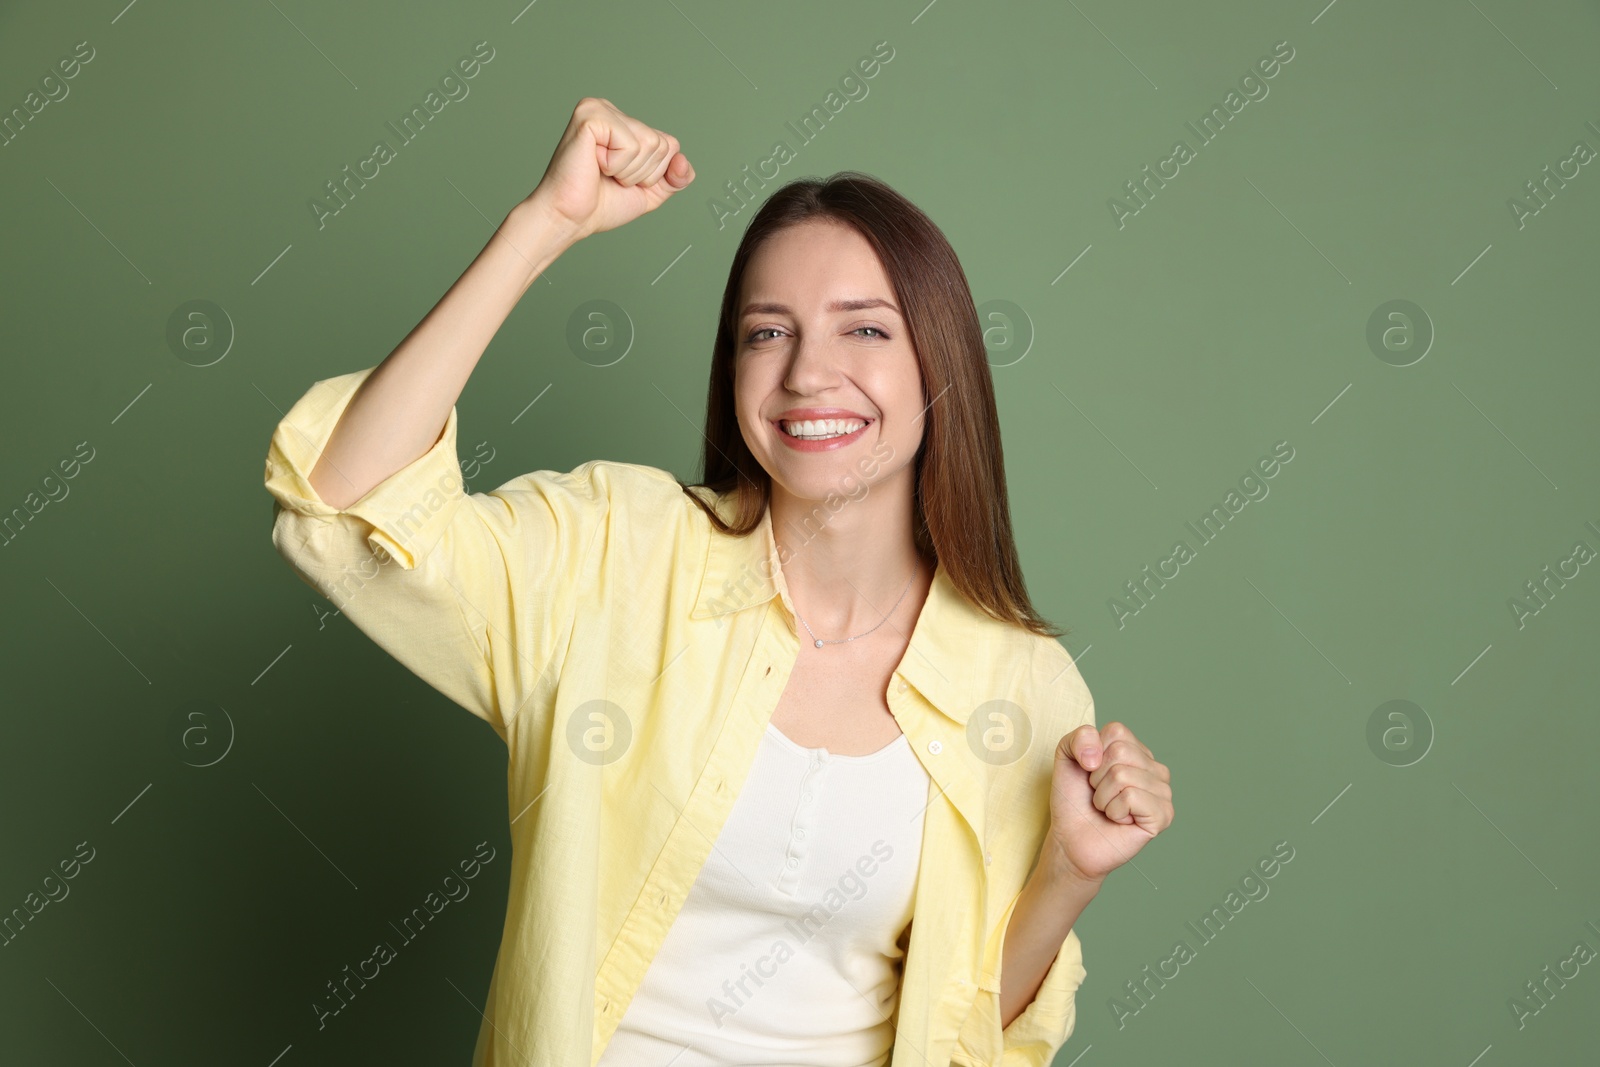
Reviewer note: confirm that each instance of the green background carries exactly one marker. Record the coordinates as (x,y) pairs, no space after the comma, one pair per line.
(1135,389)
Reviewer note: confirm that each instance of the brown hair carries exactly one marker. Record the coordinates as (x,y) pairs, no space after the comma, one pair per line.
(960,516)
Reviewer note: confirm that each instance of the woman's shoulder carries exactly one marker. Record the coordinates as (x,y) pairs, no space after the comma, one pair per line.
(632,517)
(1059,686)
(609,483)
(1049,685)
(1053,666)
(1002,660)
(1037,664)
(1029,706)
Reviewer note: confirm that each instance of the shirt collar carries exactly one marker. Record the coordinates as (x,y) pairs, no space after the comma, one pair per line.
(744,572)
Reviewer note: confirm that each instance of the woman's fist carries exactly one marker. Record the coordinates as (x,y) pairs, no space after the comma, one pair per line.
(609,169)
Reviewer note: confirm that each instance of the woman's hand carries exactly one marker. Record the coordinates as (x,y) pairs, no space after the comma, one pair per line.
(609,169)
(1108,797)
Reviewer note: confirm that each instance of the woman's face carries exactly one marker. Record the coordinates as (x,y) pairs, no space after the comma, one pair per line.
(807,350)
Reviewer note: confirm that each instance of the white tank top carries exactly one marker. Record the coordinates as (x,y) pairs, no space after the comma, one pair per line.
(784,951)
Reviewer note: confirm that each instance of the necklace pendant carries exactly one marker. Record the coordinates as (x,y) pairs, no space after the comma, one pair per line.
(819,642)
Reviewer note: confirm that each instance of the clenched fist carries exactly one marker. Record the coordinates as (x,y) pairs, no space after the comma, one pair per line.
(609,169)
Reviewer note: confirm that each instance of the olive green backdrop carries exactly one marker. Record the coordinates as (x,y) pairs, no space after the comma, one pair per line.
(1352,269)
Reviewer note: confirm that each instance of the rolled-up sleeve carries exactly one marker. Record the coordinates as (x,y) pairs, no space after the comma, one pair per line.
(1043,1026)
(472,593)
(403,515)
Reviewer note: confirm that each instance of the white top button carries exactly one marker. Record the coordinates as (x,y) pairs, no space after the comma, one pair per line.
(902,687)
(936,747)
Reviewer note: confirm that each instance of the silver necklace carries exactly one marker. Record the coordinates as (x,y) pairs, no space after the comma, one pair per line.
(841,640)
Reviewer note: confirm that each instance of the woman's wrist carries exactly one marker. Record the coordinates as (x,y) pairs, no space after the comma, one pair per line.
(539,213)
(1056,870)
(539,234)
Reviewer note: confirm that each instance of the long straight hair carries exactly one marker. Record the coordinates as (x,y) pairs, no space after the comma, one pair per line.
(961,518)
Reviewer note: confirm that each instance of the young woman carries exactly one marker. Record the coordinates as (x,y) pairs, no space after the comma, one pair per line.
(797,775)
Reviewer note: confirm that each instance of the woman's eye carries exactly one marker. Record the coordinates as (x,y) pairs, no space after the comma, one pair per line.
(758,334)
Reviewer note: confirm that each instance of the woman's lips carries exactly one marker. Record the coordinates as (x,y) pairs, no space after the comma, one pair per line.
(825,445)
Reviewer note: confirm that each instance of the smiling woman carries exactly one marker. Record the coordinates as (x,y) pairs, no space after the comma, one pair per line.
(844,301)
(689,773)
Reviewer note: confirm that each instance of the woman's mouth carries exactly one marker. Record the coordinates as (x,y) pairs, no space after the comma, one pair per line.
(816,435)
(821,429)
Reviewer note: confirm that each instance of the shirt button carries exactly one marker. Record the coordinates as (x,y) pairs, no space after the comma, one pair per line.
(936,747)
(800,833)
(986,857)
(794,862)
(902,687)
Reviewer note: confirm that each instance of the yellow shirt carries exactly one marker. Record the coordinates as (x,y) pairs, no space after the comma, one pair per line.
(630,656)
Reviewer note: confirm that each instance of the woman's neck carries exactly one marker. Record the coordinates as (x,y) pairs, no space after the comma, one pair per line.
(847,561)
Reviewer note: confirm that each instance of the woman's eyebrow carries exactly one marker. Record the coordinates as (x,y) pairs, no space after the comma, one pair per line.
(770,308)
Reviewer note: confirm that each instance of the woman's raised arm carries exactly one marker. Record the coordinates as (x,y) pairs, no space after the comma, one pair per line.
(473,593)
(606,170)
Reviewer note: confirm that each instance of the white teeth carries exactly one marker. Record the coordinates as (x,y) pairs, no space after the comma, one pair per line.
(822,429)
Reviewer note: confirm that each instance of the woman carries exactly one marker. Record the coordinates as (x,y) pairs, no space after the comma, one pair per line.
(797,775)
